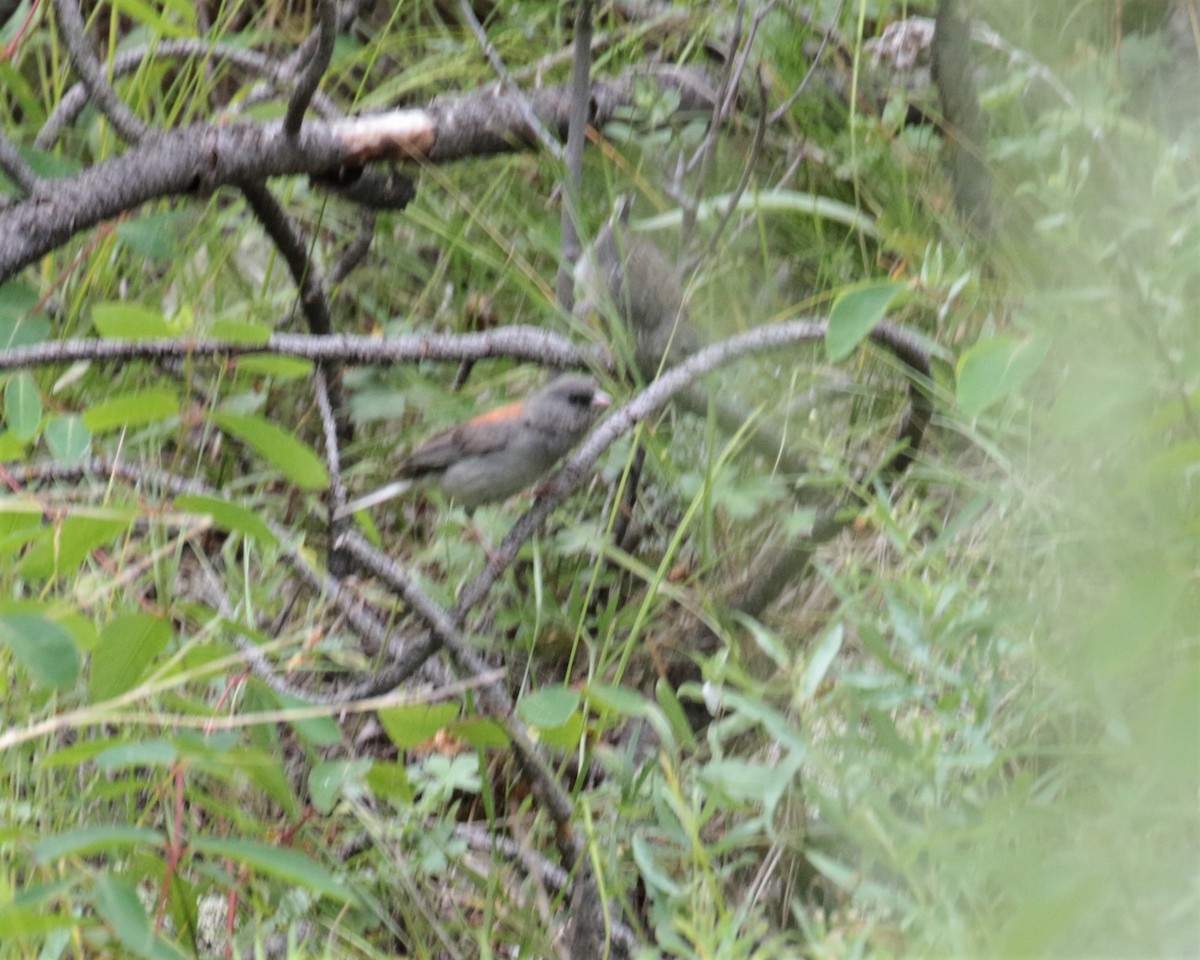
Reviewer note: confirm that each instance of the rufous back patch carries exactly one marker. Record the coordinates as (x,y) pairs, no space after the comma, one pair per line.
(509,411)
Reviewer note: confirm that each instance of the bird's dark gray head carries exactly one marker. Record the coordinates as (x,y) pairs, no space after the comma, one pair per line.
(567,406)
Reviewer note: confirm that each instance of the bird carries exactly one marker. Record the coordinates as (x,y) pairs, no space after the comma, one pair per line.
(626,277)
(502,452)
(629,276)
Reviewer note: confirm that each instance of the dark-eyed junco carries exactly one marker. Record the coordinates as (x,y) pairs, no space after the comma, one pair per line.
(503,451)
(628,276)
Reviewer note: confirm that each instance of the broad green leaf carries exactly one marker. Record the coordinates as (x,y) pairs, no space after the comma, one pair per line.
(23,331)
(992,369)
(288,865)
(285,368)
(155,235)
(653,874)
(822,658)
(17,299)
(228,516)
(68,439)
(64,546)
(617,699)
(388,780)
(42,647)
(855,314)
(144,753)
(86,841)
(241,331)
(327,780)
(317,731)
(566,737)
(408,726)
(132,410)
(23,405)
(127,646)
(549,707)
(482,733)
(32,921)
(295,459)
(129,321)
(12,448)
(848,878)
(118,905)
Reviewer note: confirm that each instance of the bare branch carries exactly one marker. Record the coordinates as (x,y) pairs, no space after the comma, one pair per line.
(76,98)
(492,696)
(576,137)
(200,159)
(74,34)
(544,136)
(17,170)
(514,342)
(314,68)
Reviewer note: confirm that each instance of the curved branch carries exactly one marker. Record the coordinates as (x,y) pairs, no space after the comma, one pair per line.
(83,59)
(75,99)
(314,68)
(199,159)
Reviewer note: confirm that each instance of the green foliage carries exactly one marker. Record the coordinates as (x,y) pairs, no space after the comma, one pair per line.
(971,731)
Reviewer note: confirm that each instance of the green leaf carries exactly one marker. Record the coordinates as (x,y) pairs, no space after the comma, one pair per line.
(482,733)
(132,410)
(676,717)
(618,700)
(68,439)
(992,369)
(32,921)
(145,753)
(549,707)
(118,905)
(822,658)
(23,331)
(228,516)
(855,314)
(292,867)
(127,646)
(129,321)
(241,331)
(317,731)
(155,235)
(328,780)
(42,647)
(23,406)
(408,726)
(17,299)
(295,459)
(64,546)
(152,16)
(652,873)
(285,368)
(86,841)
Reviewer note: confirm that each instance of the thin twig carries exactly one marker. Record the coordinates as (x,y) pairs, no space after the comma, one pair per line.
(314,68)
(581,87)
(548,141)
(782,110)
(17,170)
(83,59)
(491,696)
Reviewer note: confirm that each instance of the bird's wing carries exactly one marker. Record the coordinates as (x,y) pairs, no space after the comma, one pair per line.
(483,434)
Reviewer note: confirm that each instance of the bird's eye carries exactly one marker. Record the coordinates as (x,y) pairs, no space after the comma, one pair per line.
(580,399)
